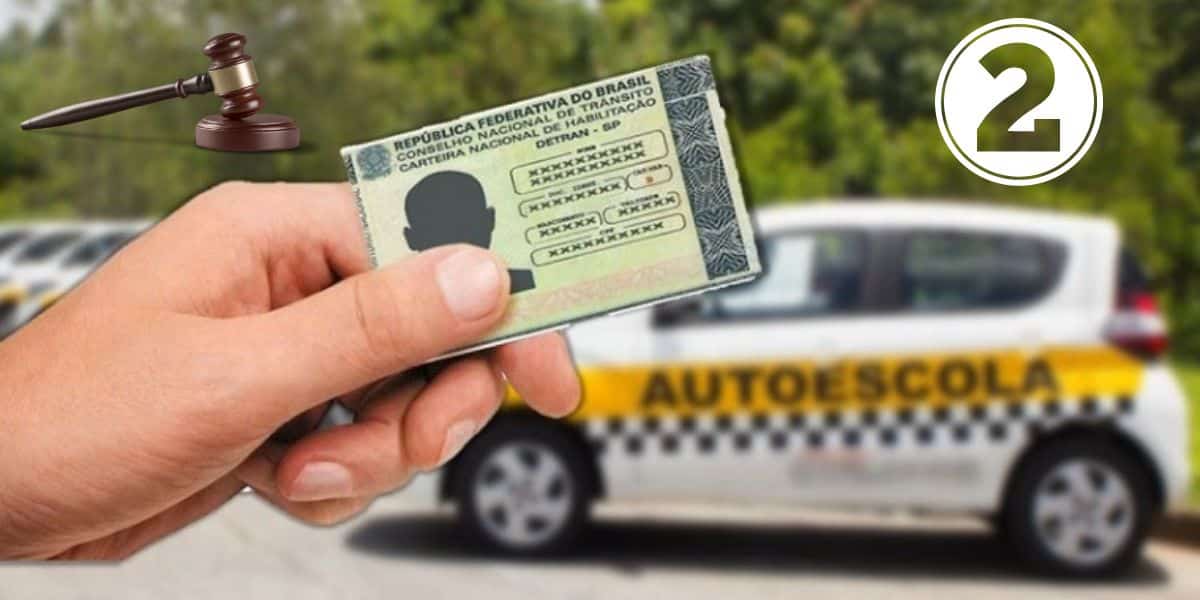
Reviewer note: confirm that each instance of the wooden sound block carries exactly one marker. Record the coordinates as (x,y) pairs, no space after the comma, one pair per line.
(256,133)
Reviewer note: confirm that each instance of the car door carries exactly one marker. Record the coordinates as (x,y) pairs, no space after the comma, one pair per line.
(961,327)
(732,370)
(841,376)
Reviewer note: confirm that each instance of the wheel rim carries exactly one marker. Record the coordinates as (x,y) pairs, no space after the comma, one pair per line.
(523,494)
(1083,512)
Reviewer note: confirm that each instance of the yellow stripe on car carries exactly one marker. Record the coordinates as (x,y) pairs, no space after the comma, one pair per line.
(48,299)
(888,382)
(12,293)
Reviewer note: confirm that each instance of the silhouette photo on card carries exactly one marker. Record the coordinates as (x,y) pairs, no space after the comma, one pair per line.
(449,207)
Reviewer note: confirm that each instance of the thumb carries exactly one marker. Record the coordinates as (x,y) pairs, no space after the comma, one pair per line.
(375,324)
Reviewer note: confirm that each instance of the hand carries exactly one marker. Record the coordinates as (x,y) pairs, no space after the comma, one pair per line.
(147,398)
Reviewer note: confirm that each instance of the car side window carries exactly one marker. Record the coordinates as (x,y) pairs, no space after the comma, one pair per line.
(805,274)
(10,239)
(95,250)
(953,270)
(45,246)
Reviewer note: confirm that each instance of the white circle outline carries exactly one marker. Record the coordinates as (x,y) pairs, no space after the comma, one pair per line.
(1080,151)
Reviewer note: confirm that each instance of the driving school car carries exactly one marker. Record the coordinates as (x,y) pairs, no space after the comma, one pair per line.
(49,277)
(11,293)
(39,262)
(20,246)
(999,362)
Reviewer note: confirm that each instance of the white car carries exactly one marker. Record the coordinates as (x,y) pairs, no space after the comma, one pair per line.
(11,236)
(42,242)
(45,281)
(998,362)
(11,294)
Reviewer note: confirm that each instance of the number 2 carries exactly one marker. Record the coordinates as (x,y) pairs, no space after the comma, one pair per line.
(1045,136)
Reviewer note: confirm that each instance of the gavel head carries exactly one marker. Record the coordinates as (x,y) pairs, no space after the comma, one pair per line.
(233,76)
(240,127)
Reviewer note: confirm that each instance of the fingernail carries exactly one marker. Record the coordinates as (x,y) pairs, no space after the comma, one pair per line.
(470,283)
(457,436)
(322,481)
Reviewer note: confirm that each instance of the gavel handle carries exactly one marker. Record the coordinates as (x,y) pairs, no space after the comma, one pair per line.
(199,84)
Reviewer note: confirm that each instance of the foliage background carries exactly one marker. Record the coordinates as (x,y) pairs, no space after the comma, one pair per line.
(828,98)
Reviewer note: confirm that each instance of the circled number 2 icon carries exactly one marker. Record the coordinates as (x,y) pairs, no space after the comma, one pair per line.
(1019,101)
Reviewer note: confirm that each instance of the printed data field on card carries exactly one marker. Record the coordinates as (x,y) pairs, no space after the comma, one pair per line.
(604,196)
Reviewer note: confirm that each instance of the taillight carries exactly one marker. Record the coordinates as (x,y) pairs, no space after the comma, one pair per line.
(1137,326)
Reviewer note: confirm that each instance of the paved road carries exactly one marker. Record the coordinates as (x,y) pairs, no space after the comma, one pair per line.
(394,551)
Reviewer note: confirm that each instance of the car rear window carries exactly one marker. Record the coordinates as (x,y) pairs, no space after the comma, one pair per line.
(46,246)
(1131,277)
(955,270)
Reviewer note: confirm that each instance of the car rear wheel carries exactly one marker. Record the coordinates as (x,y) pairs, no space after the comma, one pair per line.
(523,488)
(1079,508)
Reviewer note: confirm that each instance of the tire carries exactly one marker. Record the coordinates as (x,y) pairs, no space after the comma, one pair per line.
(1080,508)
(524,488)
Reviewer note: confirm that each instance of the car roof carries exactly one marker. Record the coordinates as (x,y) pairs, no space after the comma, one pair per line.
(925,214)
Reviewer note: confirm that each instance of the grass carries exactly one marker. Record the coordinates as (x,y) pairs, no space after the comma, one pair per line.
(1189,375)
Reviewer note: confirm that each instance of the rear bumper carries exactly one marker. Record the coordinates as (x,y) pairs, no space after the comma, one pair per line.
(1161,426)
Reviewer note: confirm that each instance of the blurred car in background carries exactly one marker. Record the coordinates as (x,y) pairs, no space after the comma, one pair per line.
(952,358)
(940,357)
(36,242)
(50,259)
(11,294)
(11,235)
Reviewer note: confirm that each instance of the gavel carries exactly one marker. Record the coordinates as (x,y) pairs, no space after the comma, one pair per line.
(239,127)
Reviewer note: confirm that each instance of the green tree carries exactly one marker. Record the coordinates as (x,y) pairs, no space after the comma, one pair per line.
(831,98)
(825,98)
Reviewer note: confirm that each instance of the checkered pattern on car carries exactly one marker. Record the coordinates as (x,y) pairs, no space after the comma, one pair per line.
(916,426)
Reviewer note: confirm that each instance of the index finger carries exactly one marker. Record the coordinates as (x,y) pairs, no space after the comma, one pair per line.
(542,372)
(264,243)
(290,217)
